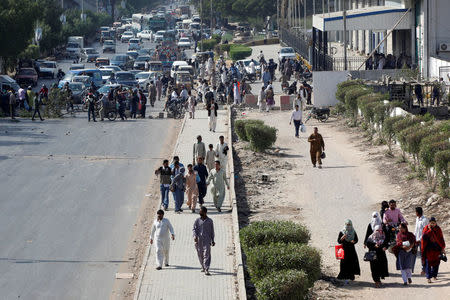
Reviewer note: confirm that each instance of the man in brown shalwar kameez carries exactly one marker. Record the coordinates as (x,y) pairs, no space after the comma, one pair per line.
(317,146)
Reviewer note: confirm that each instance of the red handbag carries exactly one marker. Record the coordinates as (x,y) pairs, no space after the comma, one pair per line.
(339,251)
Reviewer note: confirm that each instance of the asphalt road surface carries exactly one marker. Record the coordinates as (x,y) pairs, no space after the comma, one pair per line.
(70,194)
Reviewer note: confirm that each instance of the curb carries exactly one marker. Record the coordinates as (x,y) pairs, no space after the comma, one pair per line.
(241,293)
(147,251)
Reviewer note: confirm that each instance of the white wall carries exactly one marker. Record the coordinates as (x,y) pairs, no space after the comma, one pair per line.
(434,64)
(325,87)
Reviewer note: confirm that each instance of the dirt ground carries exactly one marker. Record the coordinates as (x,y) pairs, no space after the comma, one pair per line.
(355,179)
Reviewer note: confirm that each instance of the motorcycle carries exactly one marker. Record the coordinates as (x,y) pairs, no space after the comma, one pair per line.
(292,89)
(320,114)
(250,77)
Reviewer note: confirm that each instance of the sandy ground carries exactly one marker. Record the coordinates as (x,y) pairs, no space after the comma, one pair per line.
(349,186)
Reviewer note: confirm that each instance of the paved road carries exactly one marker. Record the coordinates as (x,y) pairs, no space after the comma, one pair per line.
(71,191)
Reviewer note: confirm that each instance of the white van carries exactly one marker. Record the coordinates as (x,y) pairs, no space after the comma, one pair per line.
(176,65)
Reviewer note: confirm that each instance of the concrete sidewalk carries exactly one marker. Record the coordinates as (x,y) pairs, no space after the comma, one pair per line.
(183,279)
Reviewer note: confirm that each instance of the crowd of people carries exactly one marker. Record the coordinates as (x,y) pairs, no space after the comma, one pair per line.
(380,61)
(388,231)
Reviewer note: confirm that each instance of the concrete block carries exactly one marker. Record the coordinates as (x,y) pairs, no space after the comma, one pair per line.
(251,100)
(285,102)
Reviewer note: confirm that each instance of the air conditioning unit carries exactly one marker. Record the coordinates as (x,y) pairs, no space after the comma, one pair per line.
(444,47)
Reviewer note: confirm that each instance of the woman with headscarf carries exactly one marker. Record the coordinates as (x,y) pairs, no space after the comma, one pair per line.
(432,247)
(405,251)
(349,265)
(377,242)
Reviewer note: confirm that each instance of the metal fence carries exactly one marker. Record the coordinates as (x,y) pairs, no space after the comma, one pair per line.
(353,63)
(295,40)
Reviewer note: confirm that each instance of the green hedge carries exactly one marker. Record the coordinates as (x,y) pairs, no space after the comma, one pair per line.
(283,285)
(239,127)
(265,259)
(208,44)
(441,161)
(343,87)
(267,232)
(261,137)
(238,52)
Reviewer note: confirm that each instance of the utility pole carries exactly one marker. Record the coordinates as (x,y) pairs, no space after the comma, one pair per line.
(344,19)
(201,25)
(304,18)
(211,13)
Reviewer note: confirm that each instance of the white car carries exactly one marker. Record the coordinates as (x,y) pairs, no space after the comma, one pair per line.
(134,44)
(115,68)
(246,63)
(106,74)
(184,42)
(286,52)
(48,69)
(159,36)
(145,35)
(144,78)
(126,36)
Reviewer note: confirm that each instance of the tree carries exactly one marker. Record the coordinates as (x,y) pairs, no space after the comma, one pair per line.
(17,22)
(49,18)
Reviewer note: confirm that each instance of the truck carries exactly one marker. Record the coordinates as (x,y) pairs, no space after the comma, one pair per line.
(183,10)
(74,46)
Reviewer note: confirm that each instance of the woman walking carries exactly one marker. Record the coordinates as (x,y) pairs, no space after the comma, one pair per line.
(270,101)
(378,243)
(432,247)
(405,251)
(191,188)
(349,265)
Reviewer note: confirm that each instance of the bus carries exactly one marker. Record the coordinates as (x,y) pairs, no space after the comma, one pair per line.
(157,22)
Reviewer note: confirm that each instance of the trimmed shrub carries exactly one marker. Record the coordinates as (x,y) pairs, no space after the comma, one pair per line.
(413,138)
(265,259)
(388,130)
(285,284)
(260,137)
(427,152)
(225,47)
(238,52)
(351,102)
(208,44)
(444,126)
(366,109)
(217,37)
(267,232)
(239,127)
(344,86)
(441,161)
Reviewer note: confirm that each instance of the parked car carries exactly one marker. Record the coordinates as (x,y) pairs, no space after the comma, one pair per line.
(6,83)
(109,46)
(106,74)
(184,42)
(139,63)
(123,61)
(286,52)
(89,54)
(78,91)
(48,69)
(115,68)
(102,61)
(126,78)
(133,54)
(76,67)
(159,36)
(27,76)
(145,34)
(246,63)
(126,36)
(134,44)
(94,74)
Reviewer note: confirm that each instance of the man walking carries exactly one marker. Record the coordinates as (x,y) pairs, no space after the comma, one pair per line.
(203,233)
(158,85)
(317,146)
(177,186)
(199,149)
(219,180)
(91,107)
(221,152)
(164,173)
(142,103)
(202,173)
(297,118)
(152,93)
(421,223)
(160,233)
(36,105)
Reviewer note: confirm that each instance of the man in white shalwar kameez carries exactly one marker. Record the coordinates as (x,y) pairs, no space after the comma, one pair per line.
(219,180)
(221,149)
(160,233)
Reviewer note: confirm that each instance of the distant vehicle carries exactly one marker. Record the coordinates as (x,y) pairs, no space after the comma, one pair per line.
(122,60)
(115,68)
(175,66)
(126,36)
(159,36)
(27,76)
(89,54)
(104,90)
(109,46)
(74,46)
(145,35)
(134,44)
(84,79)
(6,83)
(133,54)
(286,52)
(144,52)
(184,78)
(155,66)
(76,67)
(106,74)
(135,72)
(188,68)
(144,78)
(48,69)
(78,91)
(139,63)
(94,74)
(184,42)
(102,61)
(246,63)
(126,78)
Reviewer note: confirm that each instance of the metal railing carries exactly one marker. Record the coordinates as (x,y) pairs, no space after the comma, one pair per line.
(353,63)
(295,40)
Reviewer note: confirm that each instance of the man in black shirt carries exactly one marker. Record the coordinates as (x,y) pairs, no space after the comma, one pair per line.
(202,172)
(164,173)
